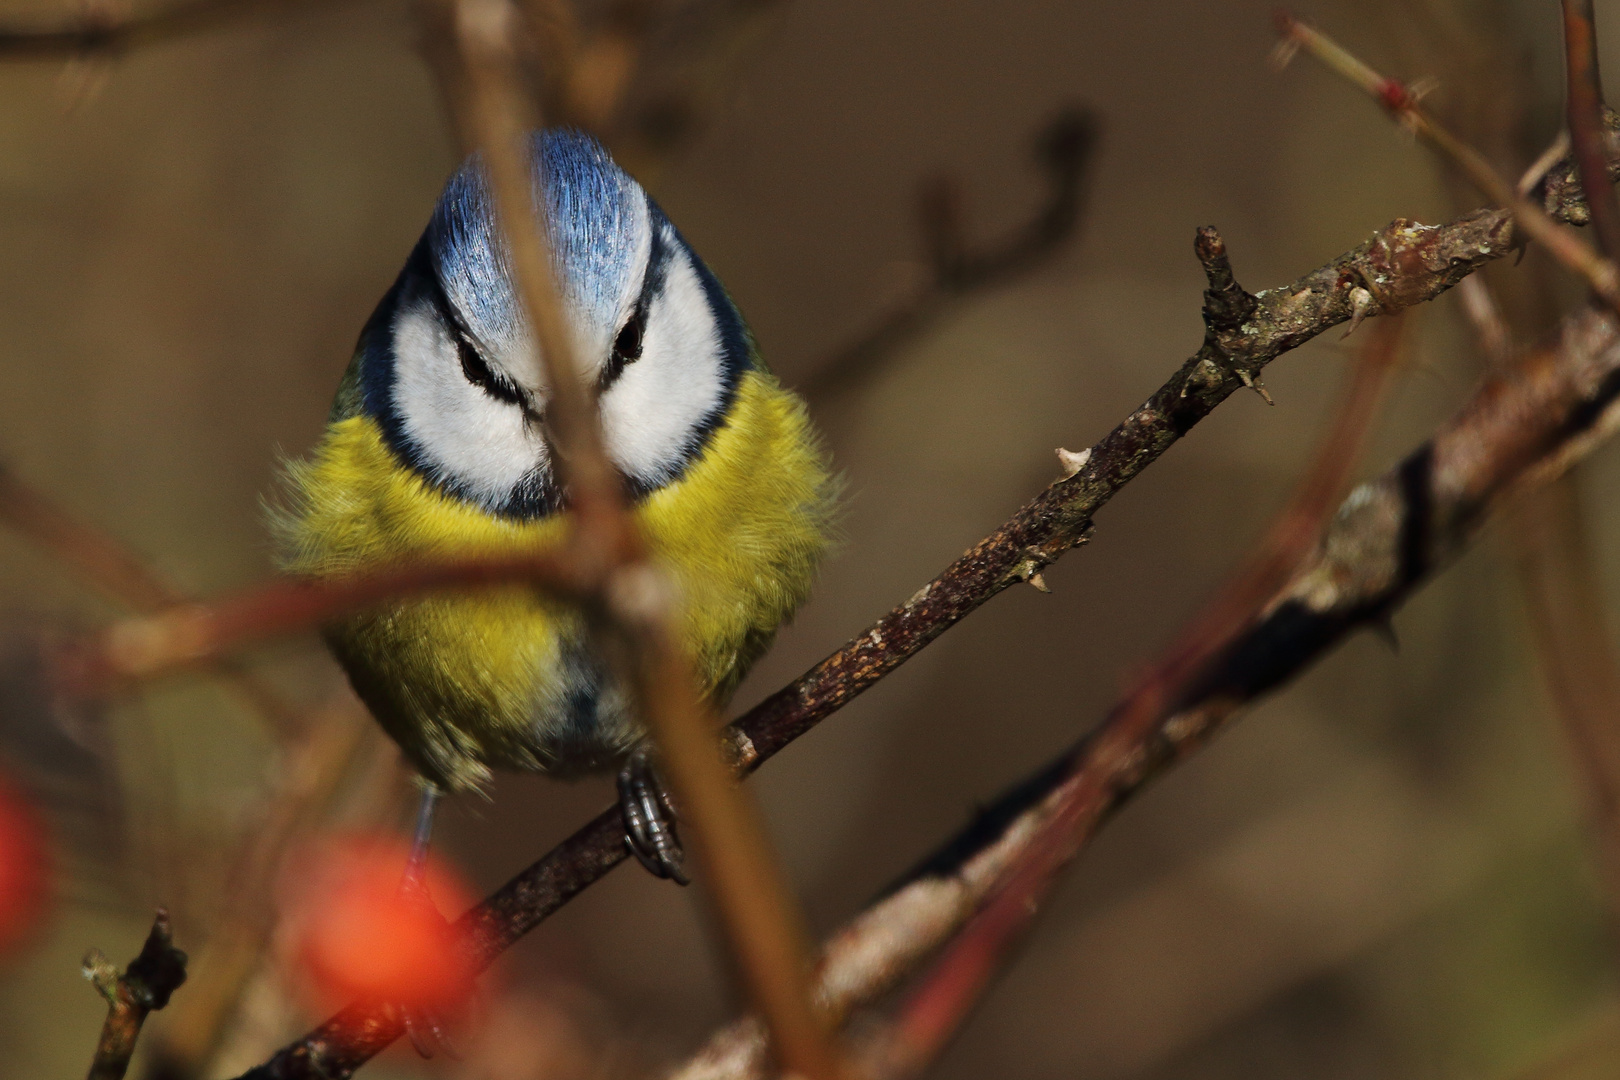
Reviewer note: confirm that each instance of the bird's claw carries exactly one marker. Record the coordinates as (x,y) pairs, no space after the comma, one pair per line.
(428,1032)
(426,1028)
(649,819)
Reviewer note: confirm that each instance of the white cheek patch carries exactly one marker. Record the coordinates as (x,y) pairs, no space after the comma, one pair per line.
(468,438)
(651,415)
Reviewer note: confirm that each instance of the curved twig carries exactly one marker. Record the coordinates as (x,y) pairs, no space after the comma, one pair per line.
(1065,149)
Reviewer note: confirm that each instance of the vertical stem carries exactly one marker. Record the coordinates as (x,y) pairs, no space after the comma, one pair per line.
(636,607)
(1584,108)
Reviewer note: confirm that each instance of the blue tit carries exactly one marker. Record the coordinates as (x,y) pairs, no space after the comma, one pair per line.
(436,448)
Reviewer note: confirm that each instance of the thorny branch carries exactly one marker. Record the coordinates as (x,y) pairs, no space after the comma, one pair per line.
(1065,150)
(1402,103)
(1401,265)
(1523,427)
(140,988)
(934,1012)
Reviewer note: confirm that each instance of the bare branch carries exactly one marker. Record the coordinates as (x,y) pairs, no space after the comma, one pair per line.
(190,634)
(1523,427)
(1402,103)
(936,1010)
(104,35)
(143,986)
(1401,265)
(1065,149)
(1584,114)
(632,602)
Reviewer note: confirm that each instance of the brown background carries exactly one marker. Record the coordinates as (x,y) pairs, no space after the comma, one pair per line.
(1380,873)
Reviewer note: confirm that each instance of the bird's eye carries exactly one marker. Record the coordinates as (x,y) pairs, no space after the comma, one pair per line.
(627,346)
(479,374)
(626,350)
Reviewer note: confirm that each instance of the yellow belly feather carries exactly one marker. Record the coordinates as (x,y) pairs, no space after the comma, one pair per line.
(475,680)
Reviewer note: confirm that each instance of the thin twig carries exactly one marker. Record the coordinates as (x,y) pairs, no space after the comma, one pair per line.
(1584,115)
(101,34)
(1524,426)
(936,1010)
(143,986)
(1535,223)
(1065,150)
(636,604)
(122,576)
(141,648)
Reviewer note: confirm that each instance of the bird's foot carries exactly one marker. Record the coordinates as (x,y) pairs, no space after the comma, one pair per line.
(428,1032)
(426,1025)
(649,819)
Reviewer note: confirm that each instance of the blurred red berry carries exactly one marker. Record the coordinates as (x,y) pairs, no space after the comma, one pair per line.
(24,867)
(355,933)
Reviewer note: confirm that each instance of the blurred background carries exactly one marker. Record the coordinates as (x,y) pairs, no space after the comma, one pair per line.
(1381,872)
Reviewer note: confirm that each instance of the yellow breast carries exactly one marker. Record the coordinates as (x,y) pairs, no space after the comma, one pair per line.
(499,677)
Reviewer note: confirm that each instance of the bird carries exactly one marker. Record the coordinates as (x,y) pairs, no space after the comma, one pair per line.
(436,447)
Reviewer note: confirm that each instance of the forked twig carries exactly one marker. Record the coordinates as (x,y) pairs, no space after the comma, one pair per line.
(1066,150)
(1399,100)
(143,986)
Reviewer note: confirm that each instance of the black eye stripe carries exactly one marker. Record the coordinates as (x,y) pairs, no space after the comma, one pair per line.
(474,367)
(627,345)
(479,374)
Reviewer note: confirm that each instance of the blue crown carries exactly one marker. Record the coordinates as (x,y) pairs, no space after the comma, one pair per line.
(593,208)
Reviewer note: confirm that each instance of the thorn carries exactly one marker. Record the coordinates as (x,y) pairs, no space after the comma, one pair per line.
(102,974)
(1385,630)
(1361,302)
(1254,384)
(1072,462)
(1039,582)
(1283,53)
(1543,165)
(1422,88)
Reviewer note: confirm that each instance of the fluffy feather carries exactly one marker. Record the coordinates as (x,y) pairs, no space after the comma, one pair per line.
(500,677)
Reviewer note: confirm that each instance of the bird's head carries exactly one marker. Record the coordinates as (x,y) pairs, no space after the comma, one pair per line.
(449,365)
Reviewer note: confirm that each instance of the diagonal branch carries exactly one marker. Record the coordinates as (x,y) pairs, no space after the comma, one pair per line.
(934,1012)
(1399,266)
(1522,428)
(631,605)
(1401,102)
